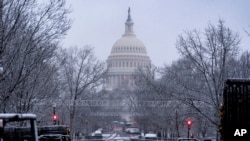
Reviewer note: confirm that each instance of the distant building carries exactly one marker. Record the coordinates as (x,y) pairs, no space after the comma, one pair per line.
(127,55)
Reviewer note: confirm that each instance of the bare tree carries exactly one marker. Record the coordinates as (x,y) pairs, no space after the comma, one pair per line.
(29,35)
(81,74)
(147,90)
(205,65)
(242,69)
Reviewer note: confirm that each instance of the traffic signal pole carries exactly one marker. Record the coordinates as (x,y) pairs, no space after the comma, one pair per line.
(189,123)
(54,115)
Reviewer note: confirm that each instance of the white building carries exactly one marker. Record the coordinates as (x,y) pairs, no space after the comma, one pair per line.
(127,55)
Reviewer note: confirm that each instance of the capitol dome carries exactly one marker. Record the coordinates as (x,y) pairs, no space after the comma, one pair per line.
(127,55)
(129,44)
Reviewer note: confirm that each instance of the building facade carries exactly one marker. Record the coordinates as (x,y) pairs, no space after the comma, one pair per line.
(127,55)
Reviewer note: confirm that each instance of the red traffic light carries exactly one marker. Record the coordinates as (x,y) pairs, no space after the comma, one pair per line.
(189,123)
(54,117)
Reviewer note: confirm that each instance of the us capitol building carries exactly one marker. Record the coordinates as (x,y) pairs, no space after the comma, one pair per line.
(127,55)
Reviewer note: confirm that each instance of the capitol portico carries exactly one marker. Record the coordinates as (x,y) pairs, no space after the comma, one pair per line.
(127,55)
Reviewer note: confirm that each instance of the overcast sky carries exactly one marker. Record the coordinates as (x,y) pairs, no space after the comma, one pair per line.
(157,23)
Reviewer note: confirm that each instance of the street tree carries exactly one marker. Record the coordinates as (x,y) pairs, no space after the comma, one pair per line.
(81,75)
(147,89)
(205,64)
(30,32)
(242,69)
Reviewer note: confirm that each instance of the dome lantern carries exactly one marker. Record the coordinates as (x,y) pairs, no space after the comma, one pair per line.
(129,25)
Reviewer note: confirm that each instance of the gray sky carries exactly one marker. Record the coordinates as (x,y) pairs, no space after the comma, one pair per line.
(157,23)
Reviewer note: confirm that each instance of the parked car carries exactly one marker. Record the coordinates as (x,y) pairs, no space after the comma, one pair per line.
(150,136)
(97,133)
(133,130)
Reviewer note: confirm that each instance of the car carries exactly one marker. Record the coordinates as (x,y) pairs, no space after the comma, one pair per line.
(132,130)
(150,136)
(97,135)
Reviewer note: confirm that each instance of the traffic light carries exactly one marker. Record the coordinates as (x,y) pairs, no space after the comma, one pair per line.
(54,118)
(189,123)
